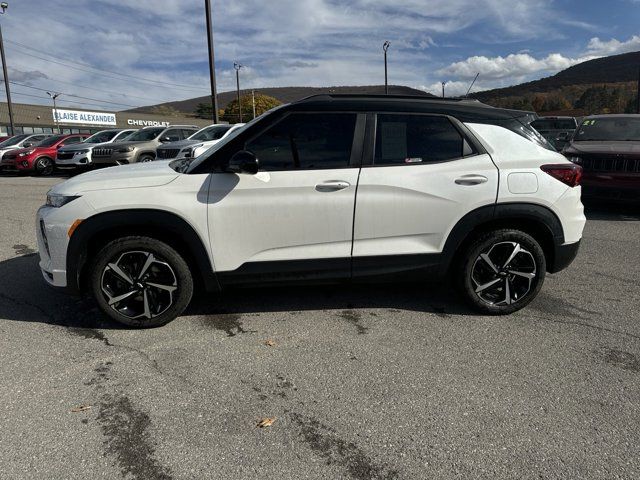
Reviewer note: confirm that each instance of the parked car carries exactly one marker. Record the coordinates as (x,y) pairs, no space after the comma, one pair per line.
(330,188)
(5,137)
(140,146)
(608,149)
(557,130)
(20,141)
(79,155)
(39,158)
(197,143)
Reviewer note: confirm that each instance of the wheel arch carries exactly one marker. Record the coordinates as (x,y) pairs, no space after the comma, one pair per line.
(96,231)
(537,220)
(145,152)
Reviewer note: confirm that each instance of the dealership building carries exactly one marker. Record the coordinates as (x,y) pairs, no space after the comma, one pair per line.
(42,119)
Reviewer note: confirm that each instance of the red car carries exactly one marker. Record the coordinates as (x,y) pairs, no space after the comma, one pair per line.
(39,158)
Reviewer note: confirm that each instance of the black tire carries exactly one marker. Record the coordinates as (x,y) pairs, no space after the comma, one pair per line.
(485,262)
(146,158)
(116,272)
(44,166)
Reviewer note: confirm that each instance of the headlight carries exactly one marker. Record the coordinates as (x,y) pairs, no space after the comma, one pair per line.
(80,152)
(28,152)
(576,160)
(57,201)
(125,150)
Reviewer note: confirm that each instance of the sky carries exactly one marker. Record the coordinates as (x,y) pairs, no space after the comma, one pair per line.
(117,54)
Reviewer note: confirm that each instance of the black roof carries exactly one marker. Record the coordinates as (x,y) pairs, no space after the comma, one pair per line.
(465,109)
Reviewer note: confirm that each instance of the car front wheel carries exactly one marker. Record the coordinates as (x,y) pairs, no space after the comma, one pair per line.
(141,282)
(502,271)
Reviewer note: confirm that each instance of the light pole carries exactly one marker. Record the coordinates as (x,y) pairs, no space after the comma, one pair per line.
(385,47)
(55,109)
(253,101)
(237,67)
(3,7)
(443,84)
(212,62)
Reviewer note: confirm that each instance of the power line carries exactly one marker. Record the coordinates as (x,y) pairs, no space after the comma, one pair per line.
(139,79)
(60,100)
(73,95)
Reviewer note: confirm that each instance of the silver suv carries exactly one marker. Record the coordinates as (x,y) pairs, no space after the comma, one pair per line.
(79,154)
(141,145)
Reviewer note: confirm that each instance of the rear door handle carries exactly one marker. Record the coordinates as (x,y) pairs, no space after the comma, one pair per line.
(332,186)
(471,180)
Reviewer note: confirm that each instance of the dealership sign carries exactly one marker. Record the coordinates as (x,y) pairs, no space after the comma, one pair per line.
(147,123)
(84,118)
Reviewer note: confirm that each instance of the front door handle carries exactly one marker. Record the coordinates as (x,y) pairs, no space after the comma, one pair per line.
(332,186)
(471,180)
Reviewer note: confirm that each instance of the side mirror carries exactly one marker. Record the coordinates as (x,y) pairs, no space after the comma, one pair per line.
(243,162)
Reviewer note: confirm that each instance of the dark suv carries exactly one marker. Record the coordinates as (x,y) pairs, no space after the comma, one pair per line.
(608,148)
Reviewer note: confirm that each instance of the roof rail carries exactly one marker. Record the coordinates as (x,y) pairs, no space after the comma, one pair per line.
(331,96)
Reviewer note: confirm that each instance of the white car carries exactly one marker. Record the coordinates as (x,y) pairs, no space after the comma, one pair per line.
(79,154)
(197,143)
(330,188)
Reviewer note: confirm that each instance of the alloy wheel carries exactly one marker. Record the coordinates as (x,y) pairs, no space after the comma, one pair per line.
(139,284)
(503,274)
(44,166)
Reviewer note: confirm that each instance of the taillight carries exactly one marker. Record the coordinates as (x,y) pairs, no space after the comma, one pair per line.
(569,174)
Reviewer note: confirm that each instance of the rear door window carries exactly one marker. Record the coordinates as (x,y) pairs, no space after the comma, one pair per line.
(417,139)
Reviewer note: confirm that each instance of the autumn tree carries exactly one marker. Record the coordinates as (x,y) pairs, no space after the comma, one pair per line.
(263,104)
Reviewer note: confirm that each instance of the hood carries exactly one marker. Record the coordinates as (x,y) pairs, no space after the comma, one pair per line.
(125,144)
(180,143)
(79,146)
(608,147)
(136,175)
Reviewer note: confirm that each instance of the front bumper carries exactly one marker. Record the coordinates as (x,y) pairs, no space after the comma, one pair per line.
(80,160)
(52,240)
(611,186)
(116,158)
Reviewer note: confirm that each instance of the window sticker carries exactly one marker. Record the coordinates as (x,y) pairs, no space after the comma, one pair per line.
(394,140)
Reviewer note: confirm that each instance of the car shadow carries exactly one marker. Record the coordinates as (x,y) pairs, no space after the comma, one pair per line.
(611,211)
(25,297)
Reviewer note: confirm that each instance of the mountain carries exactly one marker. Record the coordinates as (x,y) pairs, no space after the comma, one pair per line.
(284,94)
(602,85)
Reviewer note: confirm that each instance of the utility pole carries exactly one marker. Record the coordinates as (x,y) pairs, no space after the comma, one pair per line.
(472,83)
(443,84)
(237,67)
(55,109)
(638,99)
(212,62)
(385,47)
(3,7)
(253,100)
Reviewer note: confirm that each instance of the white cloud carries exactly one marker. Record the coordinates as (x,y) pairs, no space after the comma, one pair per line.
(599,47)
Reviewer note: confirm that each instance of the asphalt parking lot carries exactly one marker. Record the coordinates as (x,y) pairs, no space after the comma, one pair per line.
(399,381)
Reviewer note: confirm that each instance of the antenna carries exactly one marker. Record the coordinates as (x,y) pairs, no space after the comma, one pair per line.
(471,86)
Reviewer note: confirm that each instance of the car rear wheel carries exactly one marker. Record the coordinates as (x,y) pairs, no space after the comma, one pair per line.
(44,166)
(502,271)
(141,282)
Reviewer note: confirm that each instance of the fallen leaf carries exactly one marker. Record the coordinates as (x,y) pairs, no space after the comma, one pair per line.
(80,408)
(266,422)
(270,343)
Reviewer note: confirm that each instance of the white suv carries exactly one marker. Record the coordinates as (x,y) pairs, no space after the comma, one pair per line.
(329,188)
(196,144)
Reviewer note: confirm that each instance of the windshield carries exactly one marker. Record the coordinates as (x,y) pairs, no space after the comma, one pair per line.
(48,142)
(101,137)
(122,136)
(210,133)
(13,140)
(187,165)
(145,134)
(625,129)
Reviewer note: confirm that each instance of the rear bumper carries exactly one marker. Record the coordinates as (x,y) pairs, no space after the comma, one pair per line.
(563,256)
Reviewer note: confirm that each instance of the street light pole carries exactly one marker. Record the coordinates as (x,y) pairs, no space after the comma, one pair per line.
(212,62)
(385,47)
(55,109)
(3,7)
(253,101)
(443,83)
(237,67)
